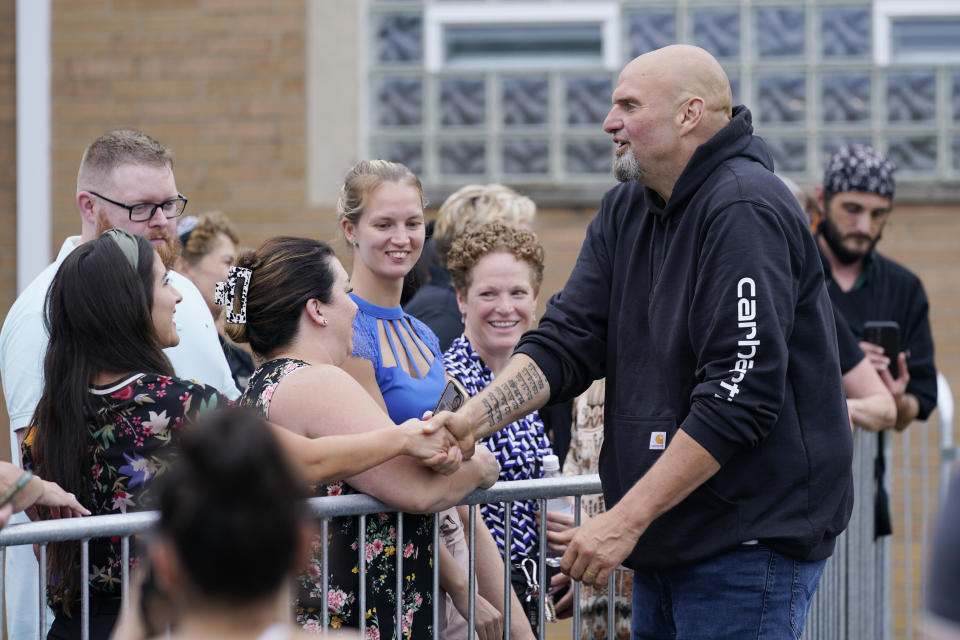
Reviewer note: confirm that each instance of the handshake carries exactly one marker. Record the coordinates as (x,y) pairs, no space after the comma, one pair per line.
(445,441)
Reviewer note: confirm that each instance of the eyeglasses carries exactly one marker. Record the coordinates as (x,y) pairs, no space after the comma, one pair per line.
(143,211)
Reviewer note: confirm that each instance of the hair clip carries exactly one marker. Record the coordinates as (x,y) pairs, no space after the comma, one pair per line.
(232,295)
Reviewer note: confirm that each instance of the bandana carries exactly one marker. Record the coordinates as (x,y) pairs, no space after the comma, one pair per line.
(857,167)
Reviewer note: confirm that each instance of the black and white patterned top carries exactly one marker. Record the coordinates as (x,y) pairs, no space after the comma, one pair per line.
(519,448)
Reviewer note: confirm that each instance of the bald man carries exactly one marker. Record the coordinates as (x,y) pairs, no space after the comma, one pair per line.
(699,294)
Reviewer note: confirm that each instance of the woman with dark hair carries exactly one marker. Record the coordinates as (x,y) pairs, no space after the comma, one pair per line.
(233,530)
(111,410)
(297,316)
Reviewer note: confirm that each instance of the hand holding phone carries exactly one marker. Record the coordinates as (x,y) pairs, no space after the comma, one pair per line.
(885,333)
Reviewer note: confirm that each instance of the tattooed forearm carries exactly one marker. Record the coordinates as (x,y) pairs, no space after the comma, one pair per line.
(533,376)
(516,399)
(527,391)
(510,398)
(494,415)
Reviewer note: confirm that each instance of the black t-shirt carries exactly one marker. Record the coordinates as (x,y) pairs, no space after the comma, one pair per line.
(889,291)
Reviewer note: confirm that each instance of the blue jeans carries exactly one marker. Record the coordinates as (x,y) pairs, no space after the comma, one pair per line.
(750,593)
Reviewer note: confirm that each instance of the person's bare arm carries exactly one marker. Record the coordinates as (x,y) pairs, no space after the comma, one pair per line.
(488,620)
(331,458)
(869,402)
(519,389)
(38,492)
(324,400)
(600,544)
(490,572)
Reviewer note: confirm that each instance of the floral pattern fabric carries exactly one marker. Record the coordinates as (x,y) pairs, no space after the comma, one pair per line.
(380,553)
(131,437)
(519,447)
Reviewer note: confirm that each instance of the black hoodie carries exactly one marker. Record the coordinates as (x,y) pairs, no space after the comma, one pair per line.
(709,314)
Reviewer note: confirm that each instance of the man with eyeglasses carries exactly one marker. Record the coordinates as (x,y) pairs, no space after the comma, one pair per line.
(126,182)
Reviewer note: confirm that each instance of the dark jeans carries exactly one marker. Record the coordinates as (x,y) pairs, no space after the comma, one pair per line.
(103,616)
(750,592)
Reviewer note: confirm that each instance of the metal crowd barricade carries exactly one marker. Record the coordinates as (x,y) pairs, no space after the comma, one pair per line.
(874,588)
(85,529)
(856,594)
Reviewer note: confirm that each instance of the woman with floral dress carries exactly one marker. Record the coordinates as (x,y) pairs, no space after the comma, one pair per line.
(110,315)
(299,319)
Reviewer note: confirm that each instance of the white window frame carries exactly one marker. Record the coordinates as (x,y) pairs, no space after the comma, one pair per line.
(438,16)
(886,11)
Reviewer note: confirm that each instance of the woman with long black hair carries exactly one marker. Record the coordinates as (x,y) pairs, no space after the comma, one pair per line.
(111,410)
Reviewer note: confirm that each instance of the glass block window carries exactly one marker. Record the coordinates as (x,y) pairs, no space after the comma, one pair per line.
(845,97)
(400,38)
(845,31)
(780,31)
(718,31)
(525,101)
(650,29)
(462,102)
(588,99)
(781,98)
(516,91)
(911,96)
(522,157)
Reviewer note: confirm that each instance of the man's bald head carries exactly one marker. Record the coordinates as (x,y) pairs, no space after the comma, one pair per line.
(687,71)
(666,104)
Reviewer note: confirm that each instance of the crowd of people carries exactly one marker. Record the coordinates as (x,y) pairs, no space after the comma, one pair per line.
(710,357)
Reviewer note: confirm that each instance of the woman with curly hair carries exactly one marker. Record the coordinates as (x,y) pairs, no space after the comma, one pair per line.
(497,271)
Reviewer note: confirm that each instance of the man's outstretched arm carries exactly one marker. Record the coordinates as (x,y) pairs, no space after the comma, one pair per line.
(519,389)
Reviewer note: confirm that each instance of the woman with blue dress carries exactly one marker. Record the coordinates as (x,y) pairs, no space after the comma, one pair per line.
(396,357)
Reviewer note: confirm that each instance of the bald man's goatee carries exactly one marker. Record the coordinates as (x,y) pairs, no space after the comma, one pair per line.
(626,168)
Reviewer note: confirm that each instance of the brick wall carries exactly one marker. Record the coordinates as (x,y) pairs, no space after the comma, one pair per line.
(220,82)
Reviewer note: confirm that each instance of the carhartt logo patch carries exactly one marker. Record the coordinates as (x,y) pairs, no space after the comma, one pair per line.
(658,440)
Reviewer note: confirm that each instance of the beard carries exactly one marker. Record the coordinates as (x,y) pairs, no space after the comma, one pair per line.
(834,239)
(168,251)
(626,168)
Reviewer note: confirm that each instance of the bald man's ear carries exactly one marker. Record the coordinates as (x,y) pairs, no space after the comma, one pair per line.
(690,114)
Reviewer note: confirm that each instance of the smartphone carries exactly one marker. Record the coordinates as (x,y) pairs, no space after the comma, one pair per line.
(885,333)
(450,400)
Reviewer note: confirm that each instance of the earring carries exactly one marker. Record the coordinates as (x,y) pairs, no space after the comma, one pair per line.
(463,318)
(322,321)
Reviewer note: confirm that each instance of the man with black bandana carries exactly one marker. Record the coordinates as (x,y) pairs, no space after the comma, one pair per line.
(856,199)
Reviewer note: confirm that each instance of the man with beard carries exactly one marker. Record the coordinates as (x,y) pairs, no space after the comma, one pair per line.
(125,181)
(856,199)
(698,293)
